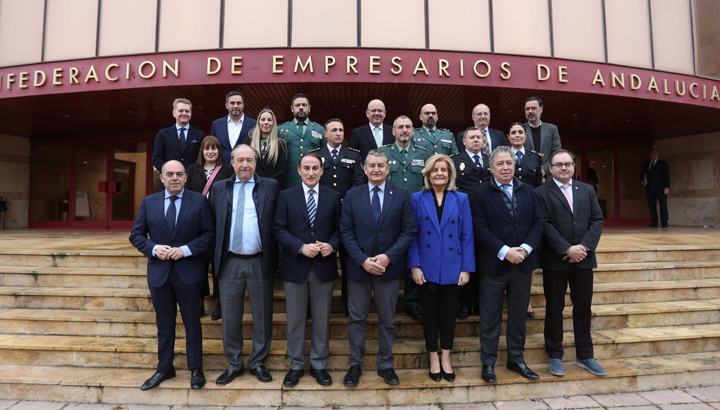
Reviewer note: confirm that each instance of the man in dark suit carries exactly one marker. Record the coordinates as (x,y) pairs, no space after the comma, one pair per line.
(232,129)
(492,138)
(541,137)
(181,142)
(377,227)
(374,135)
(508,228)
(342,170)
(246,254)
(307,226)
(573,223)
(656,179)
(473,168)
(173,229)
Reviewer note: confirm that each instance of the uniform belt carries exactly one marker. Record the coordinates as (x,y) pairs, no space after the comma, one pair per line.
(237,255)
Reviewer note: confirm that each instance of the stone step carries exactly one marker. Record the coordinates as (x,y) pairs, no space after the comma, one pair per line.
(89,351)
(651,271)
(115,386)
(142,324)
(638,252)
(88,298)
(72,258)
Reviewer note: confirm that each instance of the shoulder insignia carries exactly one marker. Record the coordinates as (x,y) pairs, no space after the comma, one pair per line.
(387,145)
(537,153)
(421,147)
(445,129)
(353,149)
(454,155)
(314,150)
(418,129)
(286,122)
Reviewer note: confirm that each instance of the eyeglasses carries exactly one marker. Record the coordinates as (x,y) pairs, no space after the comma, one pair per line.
(563,164)
(376,111)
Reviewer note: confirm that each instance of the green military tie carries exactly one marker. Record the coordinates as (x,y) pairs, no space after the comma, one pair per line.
(301,127)
(404,154)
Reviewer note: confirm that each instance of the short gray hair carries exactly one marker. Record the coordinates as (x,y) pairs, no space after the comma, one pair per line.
(402,117)
(377,153)
(181,101)
(502,149)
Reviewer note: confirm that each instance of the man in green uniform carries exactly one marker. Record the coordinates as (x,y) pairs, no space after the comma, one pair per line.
(301,135)
(436,140)
(406,162)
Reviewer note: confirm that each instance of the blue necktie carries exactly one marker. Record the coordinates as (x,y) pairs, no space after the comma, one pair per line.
(376,205)
(171,213)
(477,161)
(508,190)
(239,214)
(311,206)
(519,156)
(182,138)
(334,155)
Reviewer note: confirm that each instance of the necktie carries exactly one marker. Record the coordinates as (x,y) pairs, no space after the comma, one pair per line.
(334,155)
(239,214)
(432,134)
(171,213)
(376,205)
(404,154)
(301,127)
(519,157)
(478,165)
(566,192)
(312,208)
(182,138)
(508,190)
(652,165)
(486,143)
(378,137)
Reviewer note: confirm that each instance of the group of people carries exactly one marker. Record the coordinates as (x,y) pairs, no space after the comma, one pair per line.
(461,221)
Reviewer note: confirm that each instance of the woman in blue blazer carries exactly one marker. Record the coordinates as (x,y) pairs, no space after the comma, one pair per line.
(441,257)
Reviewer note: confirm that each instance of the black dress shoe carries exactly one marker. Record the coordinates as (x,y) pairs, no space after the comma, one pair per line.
(352,378)
(436,377)
(262,374)
(415,314)
(227,376)
(522,370)
(531,314)
(664,226)
(197,378)
(156,379)
(488,374)
(463,313)
(292,378)
(322,377)
(652,226)
(389,376)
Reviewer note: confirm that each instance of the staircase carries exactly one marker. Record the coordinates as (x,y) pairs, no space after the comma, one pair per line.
(76,324)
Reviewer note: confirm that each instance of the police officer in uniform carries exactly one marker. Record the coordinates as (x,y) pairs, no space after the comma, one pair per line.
(301,135)
(342,170)
(436,140)
(528,164)
(406,161)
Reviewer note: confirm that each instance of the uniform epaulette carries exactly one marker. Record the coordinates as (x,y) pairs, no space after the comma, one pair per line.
(421,147)
(454,155)
(386,145)
(417,129)
(316,149)
(353,149)
(444,129)
(286,122)
(537,153)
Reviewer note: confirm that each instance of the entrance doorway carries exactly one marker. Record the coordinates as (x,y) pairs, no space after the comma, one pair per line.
(107,180)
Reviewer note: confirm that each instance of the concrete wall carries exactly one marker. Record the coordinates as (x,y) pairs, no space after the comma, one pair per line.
(15,179)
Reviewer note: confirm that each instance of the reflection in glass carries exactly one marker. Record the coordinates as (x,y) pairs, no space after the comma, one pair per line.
(128,175)
(90,171)
(50,183)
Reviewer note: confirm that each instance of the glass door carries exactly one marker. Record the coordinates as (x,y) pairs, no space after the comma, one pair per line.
(88,204)
(127,183)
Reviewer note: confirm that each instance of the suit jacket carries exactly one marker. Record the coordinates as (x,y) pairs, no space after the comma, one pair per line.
(549,141)
(363,238)
(443,143)
(219,130)
(167,147)
(265,169)
(468,176)
(497,138)
(530,170)
(196,177)
(564,228)
(495,226)
(193,228)
(264,194)
(345,174)
(659,178)
(292,230)
(363,139)
(442,249)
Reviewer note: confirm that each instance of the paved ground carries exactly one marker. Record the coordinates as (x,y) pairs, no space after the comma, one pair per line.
(700,398)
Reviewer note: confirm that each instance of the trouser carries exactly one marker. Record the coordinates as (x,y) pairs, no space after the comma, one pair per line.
(439,310)
(386,296)
(469,293)
(233,278)
(492,289)
(555,283)
(653,199)
(166,299)
(411,296)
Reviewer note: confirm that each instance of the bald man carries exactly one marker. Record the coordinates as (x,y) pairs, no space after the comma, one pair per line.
(374,135)
(436,140)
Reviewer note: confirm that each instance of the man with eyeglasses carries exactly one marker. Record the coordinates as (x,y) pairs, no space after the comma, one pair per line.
(246,255)
(374,135)
(492,138)
(436,140)
(542,137)
(573,223)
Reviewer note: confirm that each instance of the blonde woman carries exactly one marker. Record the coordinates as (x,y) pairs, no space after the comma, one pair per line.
(264,139)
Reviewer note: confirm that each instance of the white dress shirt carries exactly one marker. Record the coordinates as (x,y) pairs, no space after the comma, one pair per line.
(234,130)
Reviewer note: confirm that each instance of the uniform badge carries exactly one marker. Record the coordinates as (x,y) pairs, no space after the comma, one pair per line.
(348,160)
(315,134)
(462,166)
(323,160)
(418,162)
